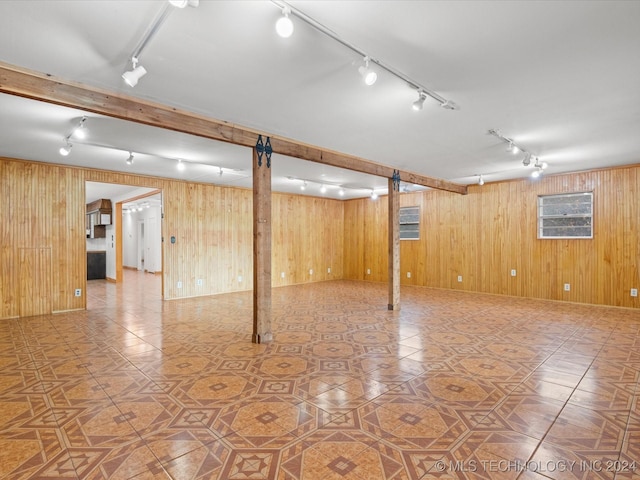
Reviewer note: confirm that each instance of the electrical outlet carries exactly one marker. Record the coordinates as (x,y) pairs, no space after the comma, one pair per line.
(239,278)
(634,292)
(329,270)
(311,271)
(460,278)
(78,292)
(408,274)
(368,271)
(567,287)
(179,285)
(513,272)
(281,274)
(199,282)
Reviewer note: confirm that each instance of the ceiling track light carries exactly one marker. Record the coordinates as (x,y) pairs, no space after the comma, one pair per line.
(80,132)
(180,165)
(284,25)
(313,23)
(480,180)
(419,103)
(133,76)
(367,74)
(304,185)
(129,160)
(65,150)
(513,148)
(374,195)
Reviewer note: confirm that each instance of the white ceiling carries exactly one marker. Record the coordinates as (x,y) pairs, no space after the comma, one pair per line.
(560,78)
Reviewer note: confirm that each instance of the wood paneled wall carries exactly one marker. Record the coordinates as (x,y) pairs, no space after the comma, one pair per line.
(484,235)
(42,237)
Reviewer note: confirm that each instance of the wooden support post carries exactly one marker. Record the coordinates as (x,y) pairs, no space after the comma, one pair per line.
(394,245)
(261,251)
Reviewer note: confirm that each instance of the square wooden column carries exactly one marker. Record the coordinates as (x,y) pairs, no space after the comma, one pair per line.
(394,245)
(261,250)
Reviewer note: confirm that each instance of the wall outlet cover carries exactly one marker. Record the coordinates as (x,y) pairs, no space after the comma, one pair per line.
(408,274)
(78,292)
(634,292)
(567,287)
(459,278)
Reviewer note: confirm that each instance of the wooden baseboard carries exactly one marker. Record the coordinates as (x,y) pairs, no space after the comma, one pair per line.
(129,268)
(112,280)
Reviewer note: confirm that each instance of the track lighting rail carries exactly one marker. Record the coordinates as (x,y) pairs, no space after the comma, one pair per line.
(444,103)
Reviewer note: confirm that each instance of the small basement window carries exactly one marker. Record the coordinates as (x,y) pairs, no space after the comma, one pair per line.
(567,215)
(409,223)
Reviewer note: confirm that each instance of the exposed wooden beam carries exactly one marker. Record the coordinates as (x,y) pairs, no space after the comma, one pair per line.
(26,83)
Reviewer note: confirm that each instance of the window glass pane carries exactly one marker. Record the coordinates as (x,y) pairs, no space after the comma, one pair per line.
(409,223)
(567,215)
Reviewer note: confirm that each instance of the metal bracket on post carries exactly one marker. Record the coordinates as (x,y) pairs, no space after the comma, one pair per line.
(268,150)
(396,180)
(264,148)
(260,150)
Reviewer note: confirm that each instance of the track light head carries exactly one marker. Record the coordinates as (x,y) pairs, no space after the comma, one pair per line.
(180,166)
(303,186)
(374,195)
(537,173)
(368,75)
(131,77)
(80,132)
(129,160)
(284,25)
(526,161)
(419,103)
(480,180)
(323,189)
(341,192)
(65,150)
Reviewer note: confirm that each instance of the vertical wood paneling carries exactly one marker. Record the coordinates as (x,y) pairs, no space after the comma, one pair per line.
(43,206)
(493,229)
(34,281)
(308,233)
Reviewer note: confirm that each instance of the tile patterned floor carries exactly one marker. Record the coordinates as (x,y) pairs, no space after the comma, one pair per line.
(453,386)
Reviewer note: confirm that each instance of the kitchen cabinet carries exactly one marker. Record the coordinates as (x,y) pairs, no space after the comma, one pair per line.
(96,265)
(98,215)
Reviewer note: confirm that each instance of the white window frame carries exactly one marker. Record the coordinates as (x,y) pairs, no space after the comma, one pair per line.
(414,213)
(566,215)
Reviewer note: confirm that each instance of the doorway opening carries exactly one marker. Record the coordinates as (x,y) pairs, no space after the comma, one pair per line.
(129,245)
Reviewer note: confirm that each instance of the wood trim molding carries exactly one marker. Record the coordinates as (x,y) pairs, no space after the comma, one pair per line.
(47,88)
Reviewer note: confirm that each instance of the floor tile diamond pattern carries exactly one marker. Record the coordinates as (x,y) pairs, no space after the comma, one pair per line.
(455,385)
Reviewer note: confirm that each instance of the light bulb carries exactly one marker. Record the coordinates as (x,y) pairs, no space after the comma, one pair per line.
(65,150)
(180,166)
(323,189)
(368,75)
(284,25)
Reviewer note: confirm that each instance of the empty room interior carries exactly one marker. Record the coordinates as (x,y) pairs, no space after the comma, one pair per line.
(359,240)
